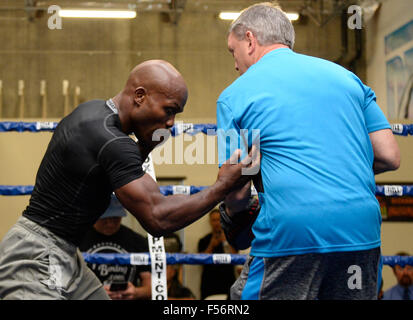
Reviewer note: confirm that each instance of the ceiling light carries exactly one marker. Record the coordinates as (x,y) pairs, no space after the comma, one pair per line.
(234,15)
(229,15)
(106,14)
(293,16)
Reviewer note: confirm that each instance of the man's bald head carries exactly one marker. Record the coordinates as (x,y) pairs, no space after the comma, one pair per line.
(157,75)
(154,93)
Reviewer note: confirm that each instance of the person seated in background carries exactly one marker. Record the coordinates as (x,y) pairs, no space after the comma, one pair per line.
(216,279)
(108,235)
(403,290)
(176,290)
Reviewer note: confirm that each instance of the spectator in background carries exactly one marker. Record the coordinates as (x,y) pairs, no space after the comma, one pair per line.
(176,290)
(216,279)
(403,290)
(108,235)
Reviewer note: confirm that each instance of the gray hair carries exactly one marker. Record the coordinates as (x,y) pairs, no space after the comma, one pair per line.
(268,23)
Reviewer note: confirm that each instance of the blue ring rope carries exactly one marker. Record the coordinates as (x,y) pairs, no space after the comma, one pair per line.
(16,190)
(188,128)
(7,190)
(171,258)
(203,259)
(21,126)
(394,190)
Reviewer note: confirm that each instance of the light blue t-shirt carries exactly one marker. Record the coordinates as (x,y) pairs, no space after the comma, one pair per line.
(314,118)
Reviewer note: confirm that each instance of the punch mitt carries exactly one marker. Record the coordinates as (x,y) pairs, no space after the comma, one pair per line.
(238,226)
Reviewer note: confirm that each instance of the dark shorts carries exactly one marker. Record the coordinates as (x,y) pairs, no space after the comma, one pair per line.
(35,264)
(329,276)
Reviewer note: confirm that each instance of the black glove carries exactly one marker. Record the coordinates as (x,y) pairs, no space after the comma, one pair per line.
(237,227)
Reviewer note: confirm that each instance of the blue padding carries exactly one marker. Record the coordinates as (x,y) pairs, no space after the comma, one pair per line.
(204,258)
(193,129)
(200,258)
(407,191)
(188,128)
(168,190)
(399,260)
(108,258)
(402,129)
(171,258)
(15,190)
(25,190)
(27,126)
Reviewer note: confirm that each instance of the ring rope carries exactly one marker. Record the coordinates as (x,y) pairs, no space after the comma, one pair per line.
(200,259)
(177,129)
(143,258)
(21,126)
(381,190)
(38,126)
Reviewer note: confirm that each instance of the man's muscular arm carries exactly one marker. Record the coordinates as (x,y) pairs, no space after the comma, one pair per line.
(161,214)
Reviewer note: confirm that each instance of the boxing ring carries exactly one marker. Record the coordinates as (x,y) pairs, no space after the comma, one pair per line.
(147,258)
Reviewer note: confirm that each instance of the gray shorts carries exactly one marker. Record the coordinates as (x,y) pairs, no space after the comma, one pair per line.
(35,264)
(328,276)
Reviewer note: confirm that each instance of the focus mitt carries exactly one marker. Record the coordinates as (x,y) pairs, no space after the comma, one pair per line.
(237,226)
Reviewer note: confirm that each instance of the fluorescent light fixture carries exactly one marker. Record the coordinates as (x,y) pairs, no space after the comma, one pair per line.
(106,14)
(229,15)
(233,15)
(293,16)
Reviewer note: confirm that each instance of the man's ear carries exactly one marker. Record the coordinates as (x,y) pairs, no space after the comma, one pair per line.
(252,42)
(140,94)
